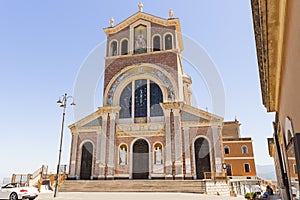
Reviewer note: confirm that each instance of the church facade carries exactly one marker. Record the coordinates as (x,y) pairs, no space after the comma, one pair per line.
(147,127)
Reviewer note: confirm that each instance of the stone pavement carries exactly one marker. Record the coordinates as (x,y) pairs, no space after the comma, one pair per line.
(131,196)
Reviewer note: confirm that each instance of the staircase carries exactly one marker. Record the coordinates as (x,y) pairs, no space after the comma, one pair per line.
(187,186)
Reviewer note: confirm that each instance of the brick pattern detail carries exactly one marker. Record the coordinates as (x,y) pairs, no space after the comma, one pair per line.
(165,59)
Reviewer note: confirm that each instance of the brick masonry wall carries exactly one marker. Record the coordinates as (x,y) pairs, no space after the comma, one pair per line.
(165,59)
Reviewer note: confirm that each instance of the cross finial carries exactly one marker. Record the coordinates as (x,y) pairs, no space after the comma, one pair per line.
(141,7)
(111,22)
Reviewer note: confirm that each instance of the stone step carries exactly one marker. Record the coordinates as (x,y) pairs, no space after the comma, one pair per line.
(188,186)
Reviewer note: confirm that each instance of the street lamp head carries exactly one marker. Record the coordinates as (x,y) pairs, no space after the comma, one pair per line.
(73,104)
(59,102)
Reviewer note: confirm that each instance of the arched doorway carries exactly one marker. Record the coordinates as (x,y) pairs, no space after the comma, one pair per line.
(202,157)
(140,160)
(86,161)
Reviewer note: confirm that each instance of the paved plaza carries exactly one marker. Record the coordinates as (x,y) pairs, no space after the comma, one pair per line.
(131,196)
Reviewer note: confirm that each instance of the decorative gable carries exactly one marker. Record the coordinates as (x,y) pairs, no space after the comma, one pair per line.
(95,122)
(185,116)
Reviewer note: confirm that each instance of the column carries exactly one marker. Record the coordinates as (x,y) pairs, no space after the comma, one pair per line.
(178,144)
(97,149)
(102,150)
(168,147)
(72,172)
(216,133)
(187,151)
(111,147)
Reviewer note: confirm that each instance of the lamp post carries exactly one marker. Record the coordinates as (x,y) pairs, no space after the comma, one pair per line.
(62,102)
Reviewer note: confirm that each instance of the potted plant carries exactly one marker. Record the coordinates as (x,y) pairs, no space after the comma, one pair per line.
(250,195)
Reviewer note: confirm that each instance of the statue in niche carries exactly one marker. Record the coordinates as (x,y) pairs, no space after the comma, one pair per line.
(123,156)
(158,156)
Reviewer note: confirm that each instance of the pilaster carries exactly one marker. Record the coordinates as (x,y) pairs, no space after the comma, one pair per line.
(168,147)
(174,107)
(187,152)
(72,172)
(178,143)
(98,151)
(111,147)
(217,141)
(102,148)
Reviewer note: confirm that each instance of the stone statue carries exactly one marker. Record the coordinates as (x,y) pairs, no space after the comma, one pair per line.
(158,156)
(111,22)
(141,7)
(171,14)
(123,156)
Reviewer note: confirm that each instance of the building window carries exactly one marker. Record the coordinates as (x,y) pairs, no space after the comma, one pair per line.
(140,93)
(226,149)
(139,100)
(168,42)
(247,167)
(156,43)
(244,149)
(125,102)
(295,169)
(140,39)
(124,47)
(228,170)
(113,48)
(156,98)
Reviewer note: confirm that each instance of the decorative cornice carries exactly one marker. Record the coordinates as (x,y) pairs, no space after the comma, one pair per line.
(100,112)
(269,22)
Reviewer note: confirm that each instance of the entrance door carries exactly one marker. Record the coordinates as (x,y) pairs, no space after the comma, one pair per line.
(86,161)
(140,162)
(202,157)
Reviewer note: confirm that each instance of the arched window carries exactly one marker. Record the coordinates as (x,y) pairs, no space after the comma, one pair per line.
(226,149)
(156,98)
(125,102)
(244,149)
(113,48)
(124,47)
(168,42)
(156,43)
(228,170)
(140,103)
(139,100)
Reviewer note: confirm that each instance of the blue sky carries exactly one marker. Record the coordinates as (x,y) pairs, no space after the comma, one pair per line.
(44,43)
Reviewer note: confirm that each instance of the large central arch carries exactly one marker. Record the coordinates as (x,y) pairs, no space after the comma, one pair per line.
(140,160)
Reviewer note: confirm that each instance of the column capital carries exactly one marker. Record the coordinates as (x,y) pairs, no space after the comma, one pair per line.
(172,105)
(108,109)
